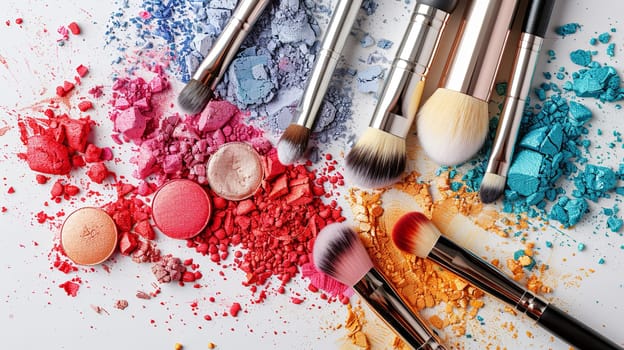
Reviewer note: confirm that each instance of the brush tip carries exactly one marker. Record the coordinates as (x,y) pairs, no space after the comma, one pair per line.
(293,143)
(339,253)
(415,234)
(195,96)
(492,187)
(377,160)
(452,126)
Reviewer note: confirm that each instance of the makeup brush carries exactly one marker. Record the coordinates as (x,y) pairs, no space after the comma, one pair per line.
(339,253)
(453,123)
(415,234)
(294,141)
(379,156)
(200,89)
(533,30)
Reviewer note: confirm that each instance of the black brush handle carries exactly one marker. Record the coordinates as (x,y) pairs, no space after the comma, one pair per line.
(573,331)
(537,17)
(445,5)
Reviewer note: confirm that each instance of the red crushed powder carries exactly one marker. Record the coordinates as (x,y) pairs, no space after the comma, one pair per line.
(74,28)
(19,20)
(235,309)
(71,287)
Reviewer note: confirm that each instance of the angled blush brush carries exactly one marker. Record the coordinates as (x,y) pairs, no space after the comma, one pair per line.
(378,158)
(200,89)
(415,234)
(339,253)
(294,141)
(453,123)
(534,27)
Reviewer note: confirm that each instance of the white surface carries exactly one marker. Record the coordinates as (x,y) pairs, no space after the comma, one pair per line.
(35,313)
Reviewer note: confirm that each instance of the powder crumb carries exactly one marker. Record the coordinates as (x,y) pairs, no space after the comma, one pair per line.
(178,346)
(353,324)
(99,309)
(121,304)
(235,309)
(211,345)
(436,321)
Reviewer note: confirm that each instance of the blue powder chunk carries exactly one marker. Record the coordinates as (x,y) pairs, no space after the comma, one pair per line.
(619,190)
(456,186)
(251,80)
(611,50)
(534,138)
(567,29)
(547,75)
(501,89)
(593,41)
(579,114)
(601,261)
(594,182)
(384,44)
(524,174)
(600,82)
(370,6)
(568,211)
(541,94)
(604,37)
(367,41)
(549,244)
(369,79)
(607,211)
(581,57)
(580,247)
(551,145)
(614,223)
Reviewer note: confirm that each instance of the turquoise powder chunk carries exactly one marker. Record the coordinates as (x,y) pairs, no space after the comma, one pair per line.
(541,93)
(600,82)
(579,114)
(551,145)
(580,247)
(501,89)
(520,253)
(604,37)
(549,244)
(456,186)
(593,41)
(524,174)
(534,139)
(251,79)
(614,223)
(568,211)
(594,182)
(611,50)
(601,261)
(567,29)
(581,57)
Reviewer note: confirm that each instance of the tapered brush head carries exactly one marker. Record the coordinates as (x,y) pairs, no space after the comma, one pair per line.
(377,159)
(452,126)
(293,143)
(492,187)
(415,234)
(195,96)
(339,253)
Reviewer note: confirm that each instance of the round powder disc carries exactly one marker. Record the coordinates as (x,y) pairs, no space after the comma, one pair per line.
(235,171)
(89,236)
(181,209)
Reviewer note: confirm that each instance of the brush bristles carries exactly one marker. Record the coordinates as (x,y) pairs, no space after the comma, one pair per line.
(377,159)
(415,234)
(339,253)
(293,143)
(195,96)
(492,187)
(452,126)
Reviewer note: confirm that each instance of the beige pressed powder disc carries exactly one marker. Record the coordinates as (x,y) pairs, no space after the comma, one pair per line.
(235,171)
(89,236)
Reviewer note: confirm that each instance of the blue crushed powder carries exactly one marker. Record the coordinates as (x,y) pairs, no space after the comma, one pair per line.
(367,40)
(604,37)
(594,182)
(568,211)
(601,82)
(611,50)
(580,247)
(370,6)
(614,223)
(567,29)
(384,44)
(369,79)
(581,57)
(593,41)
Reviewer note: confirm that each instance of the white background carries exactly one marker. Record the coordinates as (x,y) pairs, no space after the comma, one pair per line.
(36,313)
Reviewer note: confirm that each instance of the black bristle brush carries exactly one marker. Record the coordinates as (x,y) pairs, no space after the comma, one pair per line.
(339,253)
(200,89)
(534,28)
(415,234)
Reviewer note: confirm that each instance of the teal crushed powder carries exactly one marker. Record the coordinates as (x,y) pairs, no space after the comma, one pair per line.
(593,41)
(604,37)
(580,247)
(601,261)
(567,29)
(581,57)
(601,82)
(594,182)
(456,186)
(614,223)
(611,50)
(568,211)
(549,244)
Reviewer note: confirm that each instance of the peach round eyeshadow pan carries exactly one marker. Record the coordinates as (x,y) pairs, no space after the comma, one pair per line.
(89,236)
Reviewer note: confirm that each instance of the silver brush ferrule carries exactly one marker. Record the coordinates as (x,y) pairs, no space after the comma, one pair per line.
(395,110)
(386,303)
(476,271)
(332,44)
(224,49)
(478,48)
(532,306)
(518,89)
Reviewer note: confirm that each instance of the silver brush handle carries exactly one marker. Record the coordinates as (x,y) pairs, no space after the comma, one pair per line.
(397,105)
(332,44)
(519,87)
(386,303)
(224,49)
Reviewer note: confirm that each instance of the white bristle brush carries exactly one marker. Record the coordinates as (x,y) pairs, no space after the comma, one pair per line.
(294,141)
(378,158)
(200,89)
(533,30)
(453,123)
(339,253)
(415,234)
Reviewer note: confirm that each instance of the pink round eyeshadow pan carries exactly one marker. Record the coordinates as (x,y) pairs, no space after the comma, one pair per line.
(181,209)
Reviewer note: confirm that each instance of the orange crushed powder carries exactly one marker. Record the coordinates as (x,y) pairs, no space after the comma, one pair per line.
(354,323)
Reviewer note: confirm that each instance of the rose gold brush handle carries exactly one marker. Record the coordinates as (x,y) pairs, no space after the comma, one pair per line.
(478,49)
